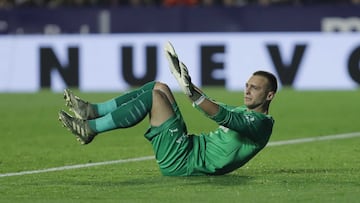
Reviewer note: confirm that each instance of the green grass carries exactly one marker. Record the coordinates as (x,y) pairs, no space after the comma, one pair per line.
(327,171)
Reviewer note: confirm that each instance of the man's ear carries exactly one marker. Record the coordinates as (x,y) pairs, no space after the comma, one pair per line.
(270,96)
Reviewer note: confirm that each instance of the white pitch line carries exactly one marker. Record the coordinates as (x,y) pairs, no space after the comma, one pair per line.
(62,168)
(145,158)
(314,139)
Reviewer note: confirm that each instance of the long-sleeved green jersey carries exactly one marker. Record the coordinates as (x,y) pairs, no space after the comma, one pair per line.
(241,135)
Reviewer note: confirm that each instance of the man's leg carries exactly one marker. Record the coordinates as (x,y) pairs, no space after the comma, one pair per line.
(163,104)
(168,134)
(112,104)
(86,110)
(157,102)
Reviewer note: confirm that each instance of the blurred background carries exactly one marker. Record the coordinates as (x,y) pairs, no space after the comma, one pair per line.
(166,3)
(139,16)
(111,45)
(103,47)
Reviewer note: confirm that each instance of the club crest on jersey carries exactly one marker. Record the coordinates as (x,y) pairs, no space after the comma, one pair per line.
(249,118)
(225,129)
(182,138)
(172,131)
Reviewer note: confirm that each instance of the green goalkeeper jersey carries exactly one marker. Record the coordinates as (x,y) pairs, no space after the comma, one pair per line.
(241,135)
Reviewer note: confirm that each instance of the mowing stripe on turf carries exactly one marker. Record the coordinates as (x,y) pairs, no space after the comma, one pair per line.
(276,143)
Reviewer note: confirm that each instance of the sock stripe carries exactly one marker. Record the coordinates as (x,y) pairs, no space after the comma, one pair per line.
(127,121)
(133,115)
(121,123)
(138,111)
(143,105)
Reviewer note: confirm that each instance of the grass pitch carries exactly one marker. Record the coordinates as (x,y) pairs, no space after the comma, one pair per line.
(326,171)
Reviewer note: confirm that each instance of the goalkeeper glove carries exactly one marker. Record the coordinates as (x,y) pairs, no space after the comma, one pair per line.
(178,70)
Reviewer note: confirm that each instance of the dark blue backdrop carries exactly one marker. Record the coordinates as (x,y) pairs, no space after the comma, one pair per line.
(180,19)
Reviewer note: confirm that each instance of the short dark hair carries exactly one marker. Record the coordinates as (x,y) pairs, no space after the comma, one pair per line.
(270,77)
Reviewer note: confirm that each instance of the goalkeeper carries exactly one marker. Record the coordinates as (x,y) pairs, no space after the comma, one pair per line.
(243,130)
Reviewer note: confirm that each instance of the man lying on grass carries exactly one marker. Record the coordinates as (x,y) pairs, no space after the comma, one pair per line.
(244,130)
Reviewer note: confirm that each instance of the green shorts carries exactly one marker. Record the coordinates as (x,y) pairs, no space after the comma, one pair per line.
(172,146)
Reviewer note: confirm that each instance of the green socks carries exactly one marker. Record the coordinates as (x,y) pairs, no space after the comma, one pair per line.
(125,114)
(104,108)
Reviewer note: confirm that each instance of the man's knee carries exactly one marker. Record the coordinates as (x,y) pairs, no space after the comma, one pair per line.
(161,109)
(158,95)
(162,87)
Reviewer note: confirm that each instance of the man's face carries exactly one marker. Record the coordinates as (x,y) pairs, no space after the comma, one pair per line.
(256,92)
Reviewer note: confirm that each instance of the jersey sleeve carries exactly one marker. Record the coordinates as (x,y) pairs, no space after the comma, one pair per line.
(252,125)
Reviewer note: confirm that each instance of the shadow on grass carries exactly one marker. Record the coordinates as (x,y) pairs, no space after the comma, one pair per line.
(311,171)
(225,180)
(325,176)
(160,181)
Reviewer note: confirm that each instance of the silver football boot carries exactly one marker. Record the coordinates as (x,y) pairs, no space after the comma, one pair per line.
(82,109)
(79,127)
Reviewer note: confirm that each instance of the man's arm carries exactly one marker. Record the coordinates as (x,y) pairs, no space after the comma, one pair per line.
(179,70)
(208,106)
